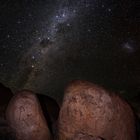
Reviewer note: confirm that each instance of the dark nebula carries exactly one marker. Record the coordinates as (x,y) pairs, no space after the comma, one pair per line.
(45,44)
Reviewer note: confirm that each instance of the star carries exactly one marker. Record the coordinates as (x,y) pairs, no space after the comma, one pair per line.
(109,10)
(19,22)
(20,46)
(33,57)
(32,66)
(8,36)
(68,24)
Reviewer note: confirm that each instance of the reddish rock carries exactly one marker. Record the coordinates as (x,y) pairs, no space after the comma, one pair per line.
(81,136)
(25,117)
(94,111)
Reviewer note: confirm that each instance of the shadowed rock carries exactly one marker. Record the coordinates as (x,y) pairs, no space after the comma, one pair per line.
(50,110)
(92,110)
(138,127)
(25,117)
(6,132)
(5,96)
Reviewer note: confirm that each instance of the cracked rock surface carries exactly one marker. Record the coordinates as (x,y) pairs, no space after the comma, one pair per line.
(25,117)
(94,111)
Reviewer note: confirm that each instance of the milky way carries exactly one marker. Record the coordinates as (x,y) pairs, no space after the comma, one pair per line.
(46,44)
(35,63)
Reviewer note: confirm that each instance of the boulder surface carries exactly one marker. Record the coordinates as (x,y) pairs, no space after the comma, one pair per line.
(25,117)
(94,111)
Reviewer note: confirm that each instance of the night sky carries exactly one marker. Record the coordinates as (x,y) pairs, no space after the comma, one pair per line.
(45,44)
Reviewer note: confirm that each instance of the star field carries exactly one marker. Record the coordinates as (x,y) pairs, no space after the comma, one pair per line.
(46,44)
